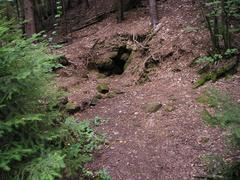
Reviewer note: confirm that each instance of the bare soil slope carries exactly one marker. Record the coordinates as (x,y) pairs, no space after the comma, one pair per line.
(166,144)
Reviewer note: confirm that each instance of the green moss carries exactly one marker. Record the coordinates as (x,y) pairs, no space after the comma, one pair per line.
(98,96)
(203,79)
(111,95)
(103,88)
(219,72)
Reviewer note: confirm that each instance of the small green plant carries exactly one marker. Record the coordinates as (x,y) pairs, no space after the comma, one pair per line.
(103,175)
(226,114)
(216,66)
(229,53)
(210,59)
(213,164)
(97,121)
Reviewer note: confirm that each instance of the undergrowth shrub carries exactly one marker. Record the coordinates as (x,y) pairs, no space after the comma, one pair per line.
(222,20)
(37,140)
(226,114)
(216,66)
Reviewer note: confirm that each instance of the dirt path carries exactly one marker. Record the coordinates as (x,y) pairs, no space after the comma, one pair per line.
(164,145)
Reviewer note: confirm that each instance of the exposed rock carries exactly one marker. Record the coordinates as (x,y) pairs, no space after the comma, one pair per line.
(105,64)
(111,95)
(98,96)
(103,88)
(203,140)
(72,107)
(113,54)
(152,107)
(169,108)
(112,62)
(125,56)
(117,91)
(94,101)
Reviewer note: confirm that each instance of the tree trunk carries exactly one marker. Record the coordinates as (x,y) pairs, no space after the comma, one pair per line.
(86,4)
(29,26)
(153,12)
(120,15)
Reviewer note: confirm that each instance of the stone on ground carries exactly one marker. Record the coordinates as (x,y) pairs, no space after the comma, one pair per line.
(152,107)
(103,88)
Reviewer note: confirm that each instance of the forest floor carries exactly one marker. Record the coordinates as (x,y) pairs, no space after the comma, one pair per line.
(169,143)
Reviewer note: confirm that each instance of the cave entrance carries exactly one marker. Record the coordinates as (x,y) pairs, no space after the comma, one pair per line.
(116,64)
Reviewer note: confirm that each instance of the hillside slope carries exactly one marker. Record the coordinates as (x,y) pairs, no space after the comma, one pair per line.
(169,143)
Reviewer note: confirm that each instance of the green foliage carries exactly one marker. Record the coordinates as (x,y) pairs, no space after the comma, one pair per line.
(213,164)
(218,168)
(46,167)
(229,53)
(226,115)
(221,17)
(103,175)
(37,140)
(227,112)
(217,66)
(209,59)
(97,121)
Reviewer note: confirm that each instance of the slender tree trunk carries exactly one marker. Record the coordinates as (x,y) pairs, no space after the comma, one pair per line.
(225,26)
(120,15)
(64,23)
(29,27)
(86,4)
(18,9)
(53,10)
(216,33)
(153,12)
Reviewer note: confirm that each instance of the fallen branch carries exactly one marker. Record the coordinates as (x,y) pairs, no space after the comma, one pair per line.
(91,21)
(149,38)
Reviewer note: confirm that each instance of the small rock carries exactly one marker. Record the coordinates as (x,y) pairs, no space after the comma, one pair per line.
(111,95)
(113,54)
(203,140)
(117,91)
(103,88)
(124,57)
(72,107)
(152,107)
(169,108)
(94,101)
(98,96)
